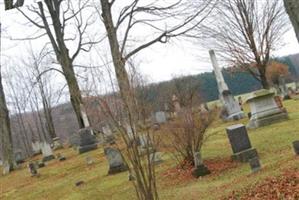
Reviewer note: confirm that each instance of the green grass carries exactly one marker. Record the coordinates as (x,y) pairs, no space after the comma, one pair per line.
(57,180)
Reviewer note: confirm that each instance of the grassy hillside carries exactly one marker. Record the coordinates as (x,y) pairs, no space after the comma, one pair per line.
(57,180)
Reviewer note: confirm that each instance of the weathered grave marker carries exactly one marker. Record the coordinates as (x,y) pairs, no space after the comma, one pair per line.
(47,152)
(36,147)
(156,158)
(240,143)
(296,147)
(84,140)
(160,117)
(57,144)
(19,157)
(32,169)
(200,169)
(116,163)
(230,105)
(264,109)
(255,164)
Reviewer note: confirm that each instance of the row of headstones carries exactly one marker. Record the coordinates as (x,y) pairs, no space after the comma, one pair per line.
(39,148)
(34,166)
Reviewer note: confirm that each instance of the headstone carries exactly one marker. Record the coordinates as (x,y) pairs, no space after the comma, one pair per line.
(240,143)
(200,169)
(78,183)
(116,163)
(160,117)
(36,147)
(57,144)
(32,169)
(60,157)
(19,157)
(47,152)
(156,158)
(283,87)
(296,147)
(264,109)
(255,164)
(131,177)
(84,141)
(176,104)
(231,106)
(84,117)
(40,164)
(6,168)
(146,145)
(89,160)
(129,131)
(108,135)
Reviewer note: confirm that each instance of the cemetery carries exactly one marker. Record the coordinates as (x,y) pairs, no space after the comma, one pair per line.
(274,144)
(88,109)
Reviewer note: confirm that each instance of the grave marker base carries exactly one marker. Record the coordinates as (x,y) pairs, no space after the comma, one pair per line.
(245,156)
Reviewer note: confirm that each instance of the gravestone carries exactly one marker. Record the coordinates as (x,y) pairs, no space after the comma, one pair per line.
(19,157)
(156,158)
(84,140)
(108,135)
(176,105)
(145,145)
(240,143)
(32,169)
(116,163)
(255,164)
(57,144)
(36,147)
(200,169)
(296,147)
(89,160)
(160,117)
(230,105)
(60,157)
(40,164)
(47,152)
(283,87)
(129,131)
(264,109)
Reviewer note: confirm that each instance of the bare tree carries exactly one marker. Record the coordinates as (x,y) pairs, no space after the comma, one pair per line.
(246,32)
(5,130)
(149,15)
(36,66)
(54,17)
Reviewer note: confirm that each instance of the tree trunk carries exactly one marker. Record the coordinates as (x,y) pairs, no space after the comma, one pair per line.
(75,94)
(5,131)
(118,60)
(292,8)
(264,81)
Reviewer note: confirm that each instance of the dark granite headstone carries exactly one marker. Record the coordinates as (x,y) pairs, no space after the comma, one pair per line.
(32,169)
(116,163)
(240,143)
(255,164)
(296,147)
(83,140)
(238,137)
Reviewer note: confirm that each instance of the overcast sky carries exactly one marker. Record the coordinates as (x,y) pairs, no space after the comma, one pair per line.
(160,62)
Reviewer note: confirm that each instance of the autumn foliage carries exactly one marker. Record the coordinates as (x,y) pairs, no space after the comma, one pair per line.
(275,70)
